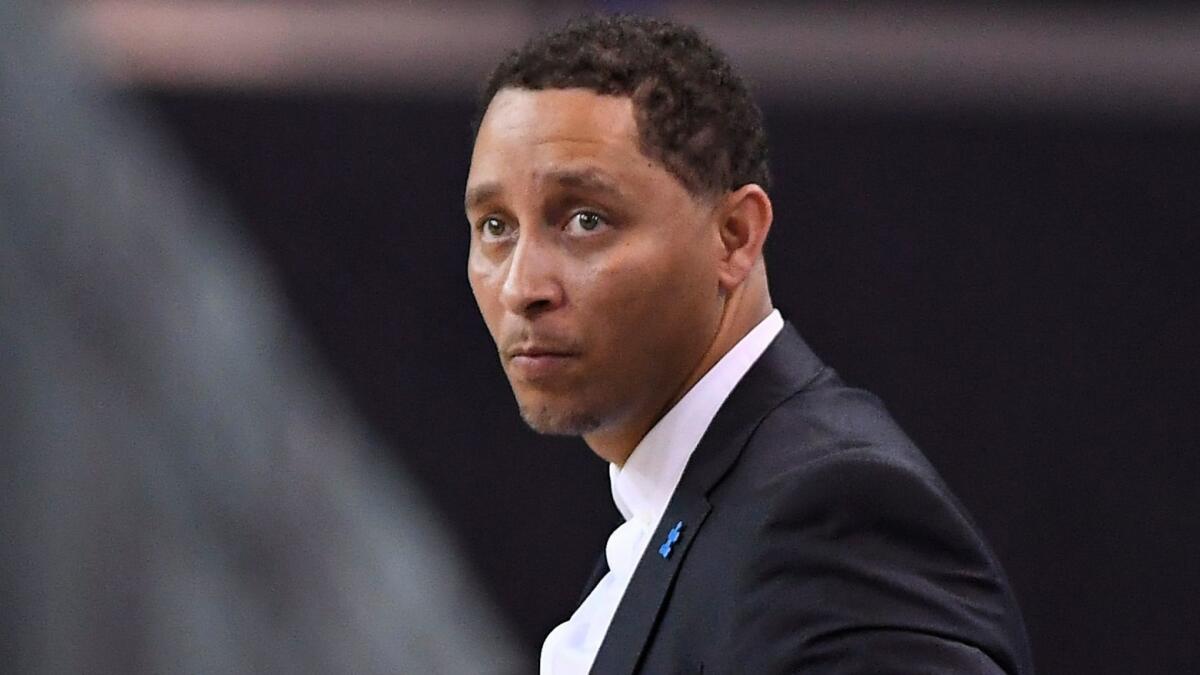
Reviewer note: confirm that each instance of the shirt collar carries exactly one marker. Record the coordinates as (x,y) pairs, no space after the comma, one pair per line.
(643,486)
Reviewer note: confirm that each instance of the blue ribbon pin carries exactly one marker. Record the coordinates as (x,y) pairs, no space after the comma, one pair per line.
(672,537)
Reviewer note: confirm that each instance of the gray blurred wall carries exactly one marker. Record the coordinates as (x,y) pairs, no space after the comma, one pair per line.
(181,489)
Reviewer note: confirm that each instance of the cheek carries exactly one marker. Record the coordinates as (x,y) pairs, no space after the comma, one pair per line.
(646,284)
(482,278)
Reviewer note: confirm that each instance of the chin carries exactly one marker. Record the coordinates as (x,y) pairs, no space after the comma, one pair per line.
(559,421)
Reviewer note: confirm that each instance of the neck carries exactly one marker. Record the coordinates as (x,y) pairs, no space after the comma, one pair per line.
(744,308)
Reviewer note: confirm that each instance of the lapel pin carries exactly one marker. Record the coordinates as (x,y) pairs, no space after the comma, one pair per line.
(672,537)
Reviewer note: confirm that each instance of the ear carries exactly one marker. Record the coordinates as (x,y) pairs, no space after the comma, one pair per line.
(745,219)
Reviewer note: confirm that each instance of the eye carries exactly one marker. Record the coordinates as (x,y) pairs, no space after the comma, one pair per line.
(585,222)
(493,228)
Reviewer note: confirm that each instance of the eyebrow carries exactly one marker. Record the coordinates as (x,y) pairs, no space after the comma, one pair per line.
(592,180)
(481,193)
(587,179)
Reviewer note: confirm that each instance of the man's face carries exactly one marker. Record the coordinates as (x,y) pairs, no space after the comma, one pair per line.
(594,268)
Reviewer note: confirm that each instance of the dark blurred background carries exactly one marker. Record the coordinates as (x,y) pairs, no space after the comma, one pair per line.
(989,216)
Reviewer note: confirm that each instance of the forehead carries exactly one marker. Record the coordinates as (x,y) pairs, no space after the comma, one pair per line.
(533,116)
(539,131)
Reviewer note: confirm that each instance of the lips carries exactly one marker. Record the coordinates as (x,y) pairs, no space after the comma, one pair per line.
(538,362)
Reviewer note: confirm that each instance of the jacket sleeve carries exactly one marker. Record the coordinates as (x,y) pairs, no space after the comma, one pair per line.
(867,564)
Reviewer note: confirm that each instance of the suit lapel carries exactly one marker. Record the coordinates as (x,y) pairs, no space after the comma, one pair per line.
(787,366)
(648,589)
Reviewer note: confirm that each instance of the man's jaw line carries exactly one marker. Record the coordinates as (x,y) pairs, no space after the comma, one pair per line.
(615,443)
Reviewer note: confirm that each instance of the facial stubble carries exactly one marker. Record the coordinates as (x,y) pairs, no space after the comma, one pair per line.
(547,419)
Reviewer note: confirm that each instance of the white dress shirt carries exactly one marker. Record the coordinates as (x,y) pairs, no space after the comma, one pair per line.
(641,489)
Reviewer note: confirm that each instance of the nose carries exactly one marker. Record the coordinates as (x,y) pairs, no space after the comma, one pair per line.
(532,285)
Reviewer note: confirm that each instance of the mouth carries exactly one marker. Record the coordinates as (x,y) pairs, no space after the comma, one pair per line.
(539,362)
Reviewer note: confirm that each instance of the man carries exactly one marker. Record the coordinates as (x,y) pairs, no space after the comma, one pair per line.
(776,520)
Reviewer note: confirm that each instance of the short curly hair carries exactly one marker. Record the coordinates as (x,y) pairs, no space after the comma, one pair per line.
(694,114)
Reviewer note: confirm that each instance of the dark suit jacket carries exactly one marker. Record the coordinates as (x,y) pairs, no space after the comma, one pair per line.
(816,539)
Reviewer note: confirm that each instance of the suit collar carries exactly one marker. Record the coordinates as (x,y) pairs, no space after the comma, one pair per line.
(787,366)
